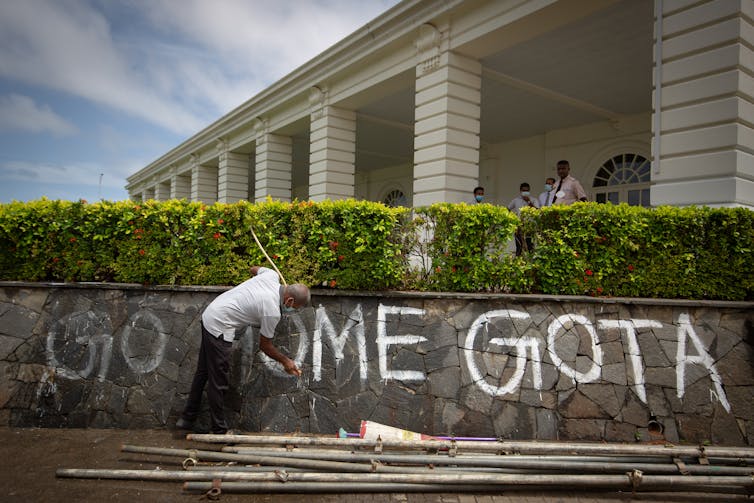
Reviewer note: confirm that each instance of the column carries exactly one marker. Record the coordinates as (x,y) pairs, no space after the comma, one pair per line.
(180,186)
(147,194)
(332,154)
(274,167)
(203,182)
(703,104)
(446,132)
(232,175)
(162,191)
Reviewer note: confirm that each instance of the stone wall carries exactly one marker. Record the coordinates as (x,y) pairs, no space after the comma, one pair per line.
(524,367)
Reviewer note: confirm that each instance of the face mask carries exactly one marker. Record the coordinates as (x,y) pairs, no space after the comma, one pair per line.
(288,309)
(479,198)
(525,193)
(548,187)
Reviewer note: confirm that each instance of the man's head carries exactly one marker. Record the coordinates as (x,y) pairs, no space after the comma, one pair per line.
(551,182)
(524,187)
(563,168)
(296,296)
(479,194)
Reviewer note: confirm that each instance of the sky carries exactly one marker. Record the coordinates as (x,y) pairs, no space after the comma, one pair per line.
(91,91)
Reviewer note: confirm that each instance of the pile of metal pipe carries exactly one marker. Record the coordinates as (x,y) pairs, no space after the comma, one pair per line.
(315,464)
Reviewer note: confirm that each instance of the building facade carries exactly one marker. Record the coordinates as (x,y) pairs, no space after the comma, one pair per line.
(651,101)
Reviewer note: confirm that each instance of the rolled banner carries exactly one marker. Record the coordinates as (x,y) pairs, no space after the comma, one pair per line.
(371,431)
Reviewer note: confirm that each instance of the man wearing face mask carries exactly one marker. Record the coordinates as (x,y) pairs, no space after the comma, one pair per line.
(479,194)
(523,200)
(546,197)
(256,301)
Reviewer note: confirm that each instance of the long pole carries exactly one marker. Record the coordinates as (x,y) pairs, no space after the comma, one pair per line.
(265,254)
(630,480)
(513,462)
(503,446)
(332,466)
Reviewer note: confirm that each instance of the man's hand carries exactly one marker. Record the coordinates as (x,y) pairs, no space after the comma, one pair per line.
(291,368)
(270,350)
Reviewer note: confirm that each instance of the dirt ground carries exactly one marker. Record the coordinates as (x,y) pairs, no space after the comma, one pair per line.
(29,458)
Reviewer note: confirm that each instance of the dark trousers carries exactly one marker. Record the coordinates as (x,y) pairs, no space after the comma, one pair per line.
(213,367)
(523,243)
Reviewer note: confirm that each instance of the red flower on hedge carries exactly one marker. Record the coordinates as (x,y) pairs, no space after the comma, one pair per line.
(220,221)
(630,267)
(216,235)
(599,290)
(72,240)
(333,283)
(340,258)
(588,272)
(142,252)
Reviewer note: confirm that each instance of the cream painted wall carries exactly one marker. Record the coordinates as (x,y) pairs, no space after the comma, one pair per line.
(586,148)
(512,163)
(374,185)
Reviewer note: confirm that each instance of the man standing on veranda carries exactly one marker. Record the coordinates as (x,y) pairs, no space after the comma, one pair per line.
(569,190)
(256,301)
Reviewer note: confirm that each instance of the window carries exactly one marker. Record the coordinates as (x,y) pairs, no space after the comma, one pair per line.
(623,179)
(395,198)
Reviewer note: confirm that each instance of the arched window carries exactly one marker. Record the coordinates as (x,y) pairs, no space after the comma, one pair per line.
(395,198)
(623,179)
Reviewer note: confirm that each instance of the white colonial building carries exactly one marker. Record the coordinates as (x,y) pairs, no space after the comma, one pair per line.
(651,101)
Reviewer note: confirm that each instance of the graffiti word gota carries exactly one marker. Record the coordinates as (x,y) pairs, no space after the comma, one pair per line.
(93,330)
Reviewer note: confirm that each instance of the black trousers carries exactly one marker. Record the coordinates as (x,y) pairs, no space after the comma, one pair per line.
(523,243)
(212,368)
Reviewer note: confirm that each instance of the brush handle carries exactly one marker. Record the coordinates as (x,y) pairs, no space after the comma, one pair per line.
(265,254)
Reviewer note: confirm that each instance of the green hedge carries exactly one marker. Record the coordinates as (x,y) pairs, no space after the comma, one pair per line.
(583,249)
(621,250)
(346,244)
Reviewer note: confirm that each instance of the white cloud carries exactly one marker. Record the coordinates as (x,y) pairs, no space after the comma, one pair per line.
(194,62)
(67,46)
(21,113)
(175,64)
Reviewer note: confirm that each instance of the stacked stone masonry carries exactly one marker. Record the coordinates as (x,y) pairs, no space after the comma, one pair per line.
(521,367)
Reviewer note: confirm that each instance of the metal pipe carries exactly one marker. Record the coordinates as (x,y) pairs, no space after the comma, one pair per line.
(508,446)
(263,460)
(345,434)
(629,481)
(329,487)
(467,455)
(405,469)
(243,468)
(517,462)
(376,487)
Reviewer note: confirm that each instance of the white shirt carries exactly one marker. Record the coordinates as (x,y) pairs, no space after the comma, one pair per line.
(518,202)
(571,189)
(545,198)
(256,301)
